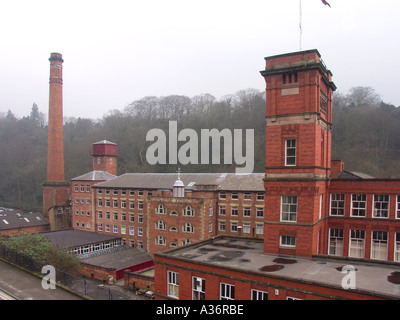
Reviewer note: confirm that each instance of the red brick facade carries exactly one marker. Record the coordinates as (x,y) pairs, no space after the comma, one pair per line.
(155,220)
(298,156)
(313,207)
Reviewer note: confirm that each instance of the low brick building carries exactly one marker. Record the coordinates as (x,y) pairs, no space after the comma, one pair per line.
(102,257)
(237,268)
(14,222)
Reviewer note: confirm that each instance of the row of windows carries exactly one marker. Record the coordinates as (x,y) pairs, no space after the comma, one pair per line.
(107,191)
(82,201)
(245,227)
(186,227)
(81,188)
(115,215)
(124,192)
(141,192)
(246,211)
(188,211)
(123,203)
(380,205)
(95,247)
(380,208)
(120,229)
(246,196)
(161,241)
(357,239)
(227,291)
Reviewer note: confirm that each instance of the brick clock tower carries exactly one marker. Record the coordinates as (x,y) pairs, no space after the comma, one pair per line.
(56,204)
(298,152)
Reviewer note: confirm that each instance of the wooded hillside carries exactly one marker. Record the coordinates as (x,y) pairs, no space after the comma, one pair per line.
(366,135)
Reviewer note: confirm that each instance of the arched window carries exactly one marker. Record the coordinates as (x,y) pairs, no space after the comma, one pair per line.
(188,227)
(173,229)
(160,225)
(160,240)
(160,209)
(188,211)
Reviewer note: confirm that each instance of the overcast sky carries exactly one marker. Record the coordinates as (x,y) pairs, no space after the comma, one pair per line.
(119,51)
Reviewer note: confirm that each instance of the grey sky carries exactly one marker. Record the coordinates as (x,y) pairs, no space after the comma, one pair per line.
(120,51)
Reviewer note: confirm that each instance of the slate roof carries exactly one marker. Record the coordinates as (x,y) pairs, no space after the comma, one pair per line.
(74,238)
(95,176)
(220,181)
(353,175)
(14,219)
(105,142)
(119,259)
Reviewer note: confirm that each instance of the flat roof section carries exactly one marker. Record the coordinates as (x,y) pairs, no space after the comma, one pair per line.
(246,255)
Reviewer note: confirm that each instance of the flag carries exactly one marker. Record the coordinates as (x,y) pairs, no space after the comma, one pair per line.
(326,3)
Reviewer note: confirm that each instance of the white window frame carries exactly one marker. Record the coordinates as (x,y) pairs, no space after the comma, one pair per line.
(290,205)
(335,242)
(259,295)
(226,291)
(173,284)
(357,243)
(380,207)
(320,206)
(234,211)
(379,245)
(259,212)
(397,207)
(198,288)
(188,211)
(396,246)
(287,148)
(286,241)
(336,204)
(260,196)
(358,207)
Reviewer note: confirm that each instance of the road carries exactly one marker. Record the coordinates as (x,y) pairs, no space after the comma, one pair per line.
(6,296)
(16,283)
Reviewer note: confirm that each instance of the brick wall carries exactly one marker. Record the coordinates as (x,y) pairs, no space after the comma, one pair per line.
(138,281)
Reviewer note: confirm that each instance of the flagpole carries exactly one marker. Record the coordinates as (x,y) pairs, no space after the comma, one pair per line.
(301,31)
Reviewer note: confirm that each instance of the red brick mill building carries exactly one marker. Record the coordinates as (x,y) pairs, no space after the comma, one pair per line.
(287,233)
(318,217)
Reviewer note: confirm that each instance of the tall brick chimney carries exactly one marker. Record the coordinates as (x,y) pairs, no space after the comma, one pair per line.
(56,192)
(55,147)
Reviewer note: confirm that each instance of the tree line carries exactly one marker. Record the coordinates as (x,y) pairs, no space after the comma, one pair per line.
(365,135)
